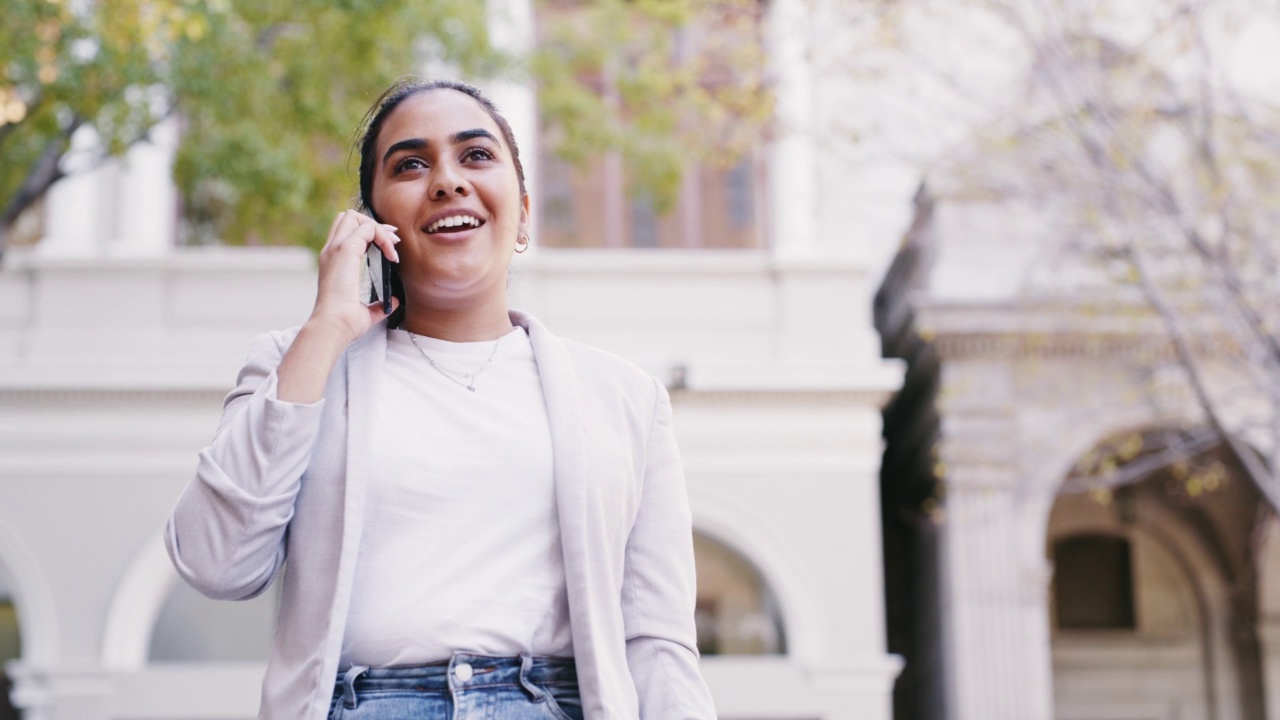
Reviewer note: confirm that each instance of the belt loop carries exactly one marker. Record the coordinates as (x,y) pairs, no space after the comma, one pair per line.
(535,692)
(349,685)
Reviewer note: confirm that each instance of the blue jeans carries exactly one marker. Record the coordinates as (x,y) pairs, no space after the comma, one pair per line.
(468,687)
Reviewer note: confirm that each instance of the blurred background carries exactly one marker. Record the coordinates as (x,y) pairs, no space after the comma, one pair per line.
(969,311)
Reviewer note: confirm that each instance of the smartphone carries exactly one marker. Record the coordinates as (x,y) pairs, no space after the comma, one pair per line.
(379,268)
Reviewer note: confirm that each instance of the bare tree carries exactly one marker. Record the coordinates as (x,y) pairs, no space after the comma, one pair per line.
(1144,133)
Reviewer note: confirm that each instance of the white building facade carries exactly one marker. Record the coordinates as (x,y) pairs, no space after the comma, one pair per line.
(116,348)
(1031,593)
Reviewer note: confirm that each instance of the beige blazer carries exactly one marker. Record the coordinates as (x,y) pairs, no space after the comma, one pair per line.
(286,481)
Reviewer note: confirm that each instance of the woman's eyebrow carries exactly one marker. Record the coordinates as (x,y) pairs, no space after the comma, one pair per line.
(411,144)
(465,135)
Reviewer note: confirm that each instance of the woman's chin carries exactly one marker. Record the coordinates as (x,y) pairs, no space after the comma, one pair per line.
(456,291)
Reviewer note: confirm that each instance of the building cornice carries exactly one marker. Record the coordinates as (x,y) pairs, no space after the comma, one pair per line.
(680,262)
(1051,331)
(1066,345)
(89,395)
(831,397)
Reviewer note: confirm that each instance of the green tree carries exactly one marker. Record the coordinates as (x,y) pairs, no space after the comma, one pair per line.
(267,92)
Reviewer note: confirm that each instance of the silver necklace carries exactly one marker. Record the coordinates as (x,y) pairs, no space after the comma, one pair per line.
(470,377)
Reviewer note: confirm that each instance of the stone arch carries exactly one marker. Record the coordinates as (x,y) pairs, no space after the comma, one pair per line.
(736,612)
(1075,438)
(37,622)
(1033,503)
(208,630)
(150,579)
(136,605)
(1196,550)
(735,528)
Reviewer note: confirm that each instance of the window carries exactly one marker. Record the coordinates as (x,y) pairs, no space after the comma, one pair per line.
(598,202)
(1093,583)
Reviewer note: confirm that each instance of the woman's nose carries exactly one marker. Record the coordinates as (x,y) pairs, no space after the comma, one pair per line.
(445,181)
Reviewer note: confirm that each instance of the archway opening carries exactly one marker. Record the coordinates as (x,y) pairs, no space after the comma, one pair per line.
(1154,598)
(737,612)
(193,628)
(10,645)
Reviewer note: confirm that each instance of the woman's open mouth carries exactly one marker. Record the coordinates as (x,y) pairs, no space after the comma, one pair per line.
(454,223)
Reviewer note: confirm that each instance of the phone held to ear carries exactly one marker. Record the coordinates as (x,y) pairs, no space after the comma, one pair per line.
(380,270)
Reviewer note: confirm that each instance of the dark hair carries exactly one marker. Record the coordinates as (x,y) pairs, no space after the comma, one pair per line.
(398,93)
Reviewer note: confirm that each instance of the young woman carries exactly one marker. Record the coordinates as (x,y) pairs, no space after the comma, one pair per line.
(479,519)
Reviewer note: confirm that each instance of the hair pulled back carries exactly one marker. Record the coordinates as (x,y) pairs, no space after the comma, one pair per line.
(390,99)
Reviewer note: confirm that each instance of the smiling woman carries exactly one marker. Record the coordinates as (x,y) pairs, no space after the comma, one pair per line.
(478,516)
(449,184)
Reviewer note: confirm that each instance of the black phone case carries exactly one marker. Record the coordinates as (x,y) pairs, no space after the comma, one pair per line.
(379,278)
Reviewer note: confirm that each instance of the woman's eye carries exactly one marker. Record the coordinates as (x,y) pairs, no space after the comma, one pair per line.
(478,154)
(410,164)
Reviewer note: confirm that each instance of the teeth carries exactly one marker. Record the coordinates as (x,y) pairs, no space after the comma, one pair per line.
(453,221)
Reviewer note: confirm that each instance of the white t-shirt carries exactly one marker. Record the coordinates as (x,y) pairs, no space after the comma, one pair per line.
(461,543)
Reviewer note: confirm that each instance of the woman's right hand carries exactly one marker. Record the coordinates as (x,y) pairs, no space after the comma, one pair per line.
(338,298)
(339,315)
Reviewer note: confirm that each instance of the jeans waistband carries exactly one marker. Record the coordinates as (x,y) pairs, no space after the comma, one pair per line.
(462,671)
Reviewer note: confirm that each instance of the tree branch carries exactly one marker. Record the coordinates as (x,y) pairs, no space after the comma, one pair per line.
(1258,473)
(1140,468)
(43,173)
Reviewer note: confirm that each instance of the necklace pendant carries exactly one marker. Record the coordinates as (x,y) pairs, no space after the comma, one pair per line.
(472,388)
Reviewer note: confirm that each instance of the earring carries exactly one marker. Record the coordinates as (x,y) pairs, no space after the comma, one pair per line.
(522,241)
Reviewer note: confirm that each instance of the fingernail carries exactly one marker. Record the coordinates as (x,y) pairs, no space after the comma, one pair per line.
(392,228)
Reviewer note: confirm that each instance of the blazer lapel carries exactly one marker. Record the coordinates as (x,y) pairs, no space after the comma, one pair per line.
(563,397)
(585,565)
(364,360)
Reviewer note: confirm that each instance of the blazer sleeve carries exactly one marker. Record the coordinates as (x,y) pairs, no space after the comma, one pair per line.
(226,534)
(658,592)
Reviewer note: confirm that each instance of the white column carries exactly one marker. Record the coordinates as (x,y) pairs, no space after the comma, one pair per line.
(145,197)
(123,206)
(792,194)
(999,665)
(73,222)
(72,691)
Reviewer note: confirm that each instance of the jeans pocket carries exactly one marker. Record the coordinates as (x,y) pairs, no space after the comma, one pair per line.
(564,701)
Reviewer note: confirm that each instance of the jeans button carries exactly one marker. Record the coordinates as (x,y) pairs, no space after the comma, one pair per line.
(462,671)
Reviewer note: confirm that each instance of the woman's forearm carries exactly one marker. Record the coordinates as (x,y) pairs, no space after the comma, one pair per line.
(304,370)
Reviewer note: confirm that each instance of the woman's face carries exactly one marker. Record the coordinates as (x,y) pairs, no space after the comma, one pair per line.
(444,176)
